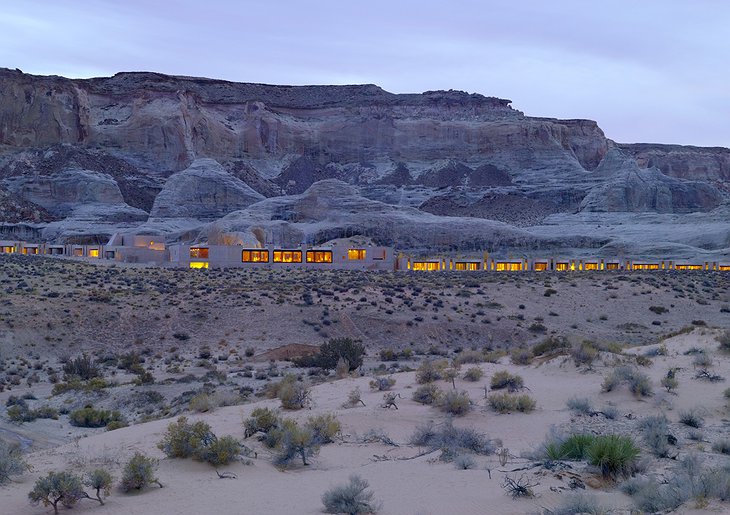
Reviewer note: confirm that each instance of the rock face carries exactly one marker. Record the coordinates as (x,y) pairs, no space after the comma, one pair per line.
(85,158)
(632,189)
(332,209)
(204,190)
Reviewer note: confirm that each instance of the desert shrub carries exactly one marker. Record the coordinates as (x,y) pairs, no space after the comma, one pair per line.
(584,354)
(520,356)
(658,309)
(579,503)
(691,418)
(455,403)
(669,381)
(724,340)
(354,398)
(139,473)
(506,403)
(452,441)
(82,368)
(95,384)
(574,447)
(655,430)
(639,383)
(473,374)
(293,394)
(57,487)
(352,498)
(580,405)
(726,393)
(219,451)
(201,403)
(427,394)
(92,417)
(615,455)
(261,419)
(330,353)
(652,497)
(293,442)
(11,462)
(610,412)
(182,439)
(116,424)
(324,427)
(382,383)
(469,356)
(429,371)
(722,446)
(101,482)
(464,462)
(702,360)
(550,345)
(504,379)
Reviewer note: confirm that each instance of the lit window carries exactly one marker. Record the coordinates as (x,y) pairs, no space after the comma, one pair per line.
(645,266)
(255,256)
(199,252)
(198,264)
(562,267)
(509,266)
(94,253)
(689,267)
(466,265)
(287,256)
(319,256)
(541,267)
(591,266)
(612,266)
(356,254)
(7,250)
(426,265)
(724,268)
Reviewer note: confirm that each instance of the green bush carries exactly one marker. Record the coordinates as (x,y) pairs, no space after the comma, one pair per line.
(455,403)
(427,394)
(551,345)
(262,419)
(101,482)
(293,394)
(57,487)
(615,455)
(584,354)
(574,447)
(82,368)
(353,498)
(506,403)
(430,371)
(504,379)
(330,353)
(292,442)
(469,356)
(219,451)
(520,356)
(639,383)
(182,439)
(139,473)
(11,462)
(452,441)
(92,417)
(473,374)
(324,427)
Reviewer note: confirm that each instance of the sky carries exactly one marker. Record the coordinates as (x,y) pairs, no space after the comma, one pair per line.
(647,70)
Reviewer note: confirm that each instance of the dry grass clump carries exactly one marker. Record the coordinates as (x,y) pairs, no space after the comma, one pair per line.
(353,498)
(507,403)
(455,403)
(430,371)
(638,382)
(452,441)
(427,394)
(503,379)
(473,374)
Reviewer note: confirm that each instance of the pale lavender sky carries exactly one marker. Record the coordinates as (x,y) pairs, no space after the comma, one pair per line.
(646,70)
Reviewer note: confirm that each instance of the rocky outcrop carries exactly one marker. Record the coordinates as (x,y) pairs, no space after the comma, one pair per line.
(684,162)
(204,190)
(332,209)
(629,188)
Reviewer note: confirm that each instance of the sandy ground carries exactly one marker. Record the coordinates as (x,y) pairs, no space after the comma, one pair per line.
(405,482)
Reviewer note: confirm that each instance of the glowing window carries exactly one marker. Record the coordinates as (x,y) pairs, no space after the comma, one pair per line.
(356,254)
(255,256)
(562,266)
(540,267)
(287,256)
(612,266)
(199,264)
(509,266)
(30,250)
(7,250)
(199,252)
(426,265)
(590,266)
(319,256)
(724,268)
(78,252)
(466,265)
(689,267)
(94,253)
(645,266)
